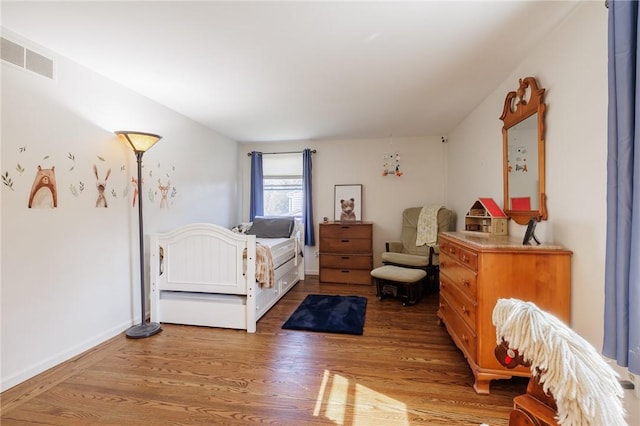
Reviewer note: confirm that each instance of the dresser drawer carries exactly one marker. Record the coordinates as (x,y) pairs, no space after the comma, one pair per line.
(345,245)
(466,257)
(457,274)
(345,231)
(458,329)
(345,275)
(459,301)
(346,261)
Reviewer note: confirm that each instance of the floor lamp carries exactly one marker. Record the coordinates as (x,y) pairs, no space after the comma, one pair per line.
(141,142)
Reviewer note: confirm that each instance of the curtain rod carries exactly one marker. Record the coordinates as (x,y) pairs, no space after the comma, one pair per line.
(313,151)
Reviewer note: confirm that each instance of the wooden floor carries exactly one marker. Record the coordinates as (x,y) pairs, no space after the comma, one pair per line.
(404,370)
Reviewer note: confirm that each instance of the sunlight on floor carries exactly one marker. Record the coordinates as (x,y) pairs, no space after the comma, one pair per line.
(344,402)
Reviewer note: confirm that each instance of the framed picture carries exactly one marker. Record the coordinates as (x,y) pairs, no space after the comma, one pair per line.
(530,232)
(347,203)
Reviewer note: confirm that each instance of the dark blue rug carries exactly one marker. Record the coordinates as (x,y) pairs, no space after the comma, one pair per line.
(329,314)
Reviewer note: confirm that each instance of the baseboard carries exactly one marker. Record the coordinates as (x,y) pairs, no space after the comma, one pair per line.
(40,367)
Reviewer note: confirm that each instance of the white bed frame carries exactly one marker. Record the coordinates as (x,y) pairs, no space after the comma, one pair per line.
(198,277)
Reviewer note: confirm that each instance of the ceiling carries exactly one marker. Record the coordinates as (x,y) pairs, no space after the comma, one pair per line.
(276,71)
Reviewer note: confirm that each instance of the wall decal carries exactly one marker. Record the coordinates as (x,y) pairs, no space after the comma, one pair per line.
(7,180)
(164,190)
(101,185)
(44,192)
(73,159)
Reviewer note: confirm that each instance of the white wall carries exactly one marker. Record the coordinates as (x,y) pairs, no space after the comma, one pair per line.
(70,277)
(422,161)
(571,64)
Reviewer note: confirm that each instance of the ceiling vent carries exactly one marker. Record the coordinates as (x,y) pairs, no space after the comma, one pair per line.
(18,55)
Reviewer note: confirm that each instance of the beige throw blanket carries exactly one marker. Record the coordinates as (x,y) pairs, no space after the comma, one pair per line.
(427,232)
(265,274)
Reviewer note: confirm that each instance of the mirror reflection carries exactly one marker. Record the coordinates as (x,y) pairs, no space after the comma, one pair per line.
(522,164)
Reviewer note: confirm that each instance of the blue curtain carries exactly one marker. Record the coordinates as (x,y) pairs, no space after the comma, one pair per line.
(256,203)
(307,206)
(622,269)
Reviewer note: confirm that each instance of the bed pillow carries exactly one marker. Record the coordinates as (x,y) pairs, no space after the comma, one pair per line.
(242,228)
(272,227)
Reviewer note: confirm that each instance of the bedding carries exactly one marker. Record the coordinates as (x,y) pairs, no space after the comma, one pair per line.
(272,227)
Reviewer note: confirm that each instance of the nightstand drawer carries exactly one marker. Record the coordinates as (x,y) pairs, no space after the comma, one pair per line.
(457,274)
(464,256)
(346,245)
(346,276)
(458,329)
(336,230)
(346,261)
(459,301)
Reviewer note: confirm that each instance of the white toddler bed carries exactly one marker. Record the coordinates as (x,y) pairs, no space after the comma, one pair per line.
(204,274)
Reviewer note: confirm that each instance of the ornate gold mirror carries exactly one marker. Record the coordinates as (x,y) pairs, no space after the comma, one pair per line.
(523,153)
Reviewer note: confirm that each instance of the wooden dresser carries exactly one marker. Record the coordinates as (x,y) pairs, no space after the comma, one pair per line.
(475,271)
(346,252)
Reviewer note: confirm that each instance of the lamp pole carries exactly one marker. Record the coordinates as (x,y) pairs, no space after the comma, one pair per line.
(140,142)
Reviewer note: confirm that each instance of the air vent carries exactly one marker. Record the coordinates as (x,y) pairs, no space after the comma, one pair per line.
(26,58)
(12,52)
(39,64)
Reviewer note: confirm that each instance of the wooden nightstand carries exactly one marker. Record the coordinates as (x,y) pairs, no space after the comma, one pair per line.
(346,252)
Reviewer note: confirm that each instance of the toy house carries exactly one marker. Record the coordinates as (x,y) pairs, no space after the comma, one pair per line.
(486,217)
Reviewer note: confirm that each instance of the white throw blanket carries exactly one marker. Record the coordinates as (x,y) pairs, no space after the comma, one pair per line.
(427,232)
(585,387)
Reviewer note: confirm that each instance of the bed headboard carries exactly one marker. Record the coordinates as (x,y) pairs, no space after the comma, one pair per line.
(201,257)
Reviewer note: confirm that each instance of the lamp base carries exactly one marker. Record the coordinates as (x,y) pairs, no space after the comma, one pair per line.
(146,329)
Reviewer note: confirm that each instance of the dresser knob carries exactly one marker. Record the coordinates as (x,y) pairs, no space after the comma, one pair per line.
(464,258)
(465,338)
(465,283)
(465,309)
(442,264)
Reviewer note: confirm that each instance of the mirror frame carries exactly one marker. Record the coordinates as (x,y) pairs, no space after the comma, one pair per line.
(517,109)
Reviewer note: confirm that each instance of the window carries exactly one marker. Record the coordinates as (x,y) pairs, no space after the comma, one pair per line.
(282,180)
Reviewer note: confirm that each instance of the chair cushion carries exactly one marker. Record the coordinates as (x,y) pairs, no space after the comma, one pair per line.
(412,260)
(409,231)
(398,274)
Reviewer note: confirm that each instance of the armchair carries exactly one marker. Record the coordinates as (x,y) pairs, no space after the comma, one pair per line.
(407,254)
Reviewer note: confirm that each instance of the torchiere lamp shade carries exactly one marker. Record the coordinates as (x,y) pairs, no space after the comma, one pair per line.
(139,141)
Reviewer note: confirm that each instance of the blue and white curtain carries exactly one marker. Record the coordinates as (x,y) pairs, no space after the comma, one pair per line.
(622,270)
(256,202)
(307,207)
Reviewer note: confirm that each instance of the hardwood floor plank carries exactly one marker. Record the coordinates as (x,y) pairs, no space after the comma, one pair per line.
(403,370)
